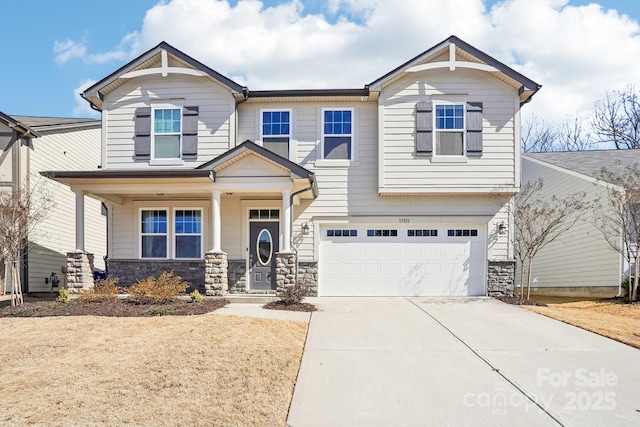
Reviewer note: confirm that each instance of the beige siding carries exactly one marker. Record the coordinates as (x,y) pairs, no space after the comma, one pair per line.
(55,235)
(403,171)
(581,256)
(216,106)
(6,159)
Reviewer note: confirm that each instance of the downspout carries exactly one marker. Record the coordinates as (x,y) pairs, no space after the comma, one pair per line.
(293,247)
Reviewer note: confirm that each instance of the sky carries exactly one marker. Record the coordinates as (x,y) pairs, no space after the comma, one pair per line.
(578,50)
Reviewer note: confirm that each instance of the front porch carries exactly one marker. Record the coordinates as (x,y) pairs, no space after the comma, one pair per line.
(226,227)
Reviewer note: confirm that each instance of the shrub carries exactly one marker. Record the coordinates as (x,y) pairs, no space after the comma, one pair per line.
(161,289)
(105,290)
(626,284)
(294,294)
(64,296)
(159,311)
(196,297)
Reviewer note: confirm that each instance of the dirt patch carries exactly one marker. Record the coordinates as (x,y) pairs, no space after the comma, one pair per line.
(118,308)
(519,301)
(611,318)
(279,305)
(172,370)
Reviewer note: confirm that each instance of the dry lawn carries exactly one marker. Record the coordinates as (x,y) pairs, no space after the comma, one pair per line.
(618,321)
(203,370)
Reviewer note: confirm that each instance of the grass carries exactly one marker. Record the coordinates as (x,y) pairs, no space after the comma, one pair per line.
(606,317)
(170,370)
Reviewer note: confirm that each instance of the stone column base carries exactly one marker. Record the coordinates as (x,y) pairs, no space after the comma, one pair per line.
(79,271)
(216,268)
(285,270)
(501,277)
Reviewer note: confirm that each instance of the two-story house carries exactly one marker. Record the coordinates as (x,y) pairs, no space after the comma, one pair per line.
(399,188)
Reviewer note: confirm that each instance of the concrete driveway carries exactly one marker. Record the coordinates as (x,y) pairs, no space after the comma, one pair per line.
(458,362)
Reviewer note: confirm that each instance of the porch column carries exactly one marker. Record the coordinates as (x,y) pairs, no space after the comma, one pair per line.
(215,226)
(286,221)
(79,220)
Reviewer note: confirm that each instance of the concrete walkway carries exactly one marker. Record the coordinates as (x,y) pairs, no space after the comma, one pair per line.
(458,362)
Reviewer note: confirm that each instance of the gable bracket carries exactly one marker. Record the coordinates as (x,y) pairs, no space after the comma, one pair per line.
(452,64)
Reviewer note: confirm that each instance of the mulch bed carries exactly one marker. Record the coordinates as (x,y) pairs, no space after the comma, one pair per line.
(118,308)
(279,305)
(519,301)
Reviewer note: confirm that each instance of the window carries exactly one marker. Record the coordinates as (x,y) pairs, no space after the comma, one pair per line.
(188,233)
(462,233)
(337,134)
(166,133)
(276,132)
(422,233)
(154,233)
(342,233)
(264,214)
(449,127)
(382,233)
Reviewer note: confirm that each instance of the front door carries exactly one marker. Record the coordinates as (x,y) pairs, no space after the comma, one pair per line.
(263,245)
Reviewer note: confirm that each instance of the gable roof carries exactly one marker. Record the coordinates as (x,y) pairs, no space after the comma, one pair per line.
(146,61)
(21,128)
(44,124)
(590,162)
(463,55)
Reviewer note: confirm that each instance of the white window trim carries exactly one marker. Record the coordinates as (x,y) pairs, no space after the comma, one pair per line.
(169,161)
(450,157)
(141,234)
(174,234)
(290,135)
(337,162)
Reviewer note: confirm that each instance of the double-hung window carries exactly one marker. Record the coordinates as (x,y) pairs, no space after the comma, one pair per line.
(276,132)
(167,129)
(154,233)
(337,134)
(188,233)
(449,129)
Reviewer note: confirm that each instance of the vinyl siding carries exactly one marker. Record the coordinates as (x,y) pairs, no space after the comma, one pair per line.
(581,256)
(55,235)
(403,171)
(216,108)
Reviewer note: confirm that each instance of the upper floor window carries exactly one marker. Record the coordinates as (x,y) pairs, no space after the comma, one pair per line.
(167,128)
(449,129)
(276,132)
(337,134)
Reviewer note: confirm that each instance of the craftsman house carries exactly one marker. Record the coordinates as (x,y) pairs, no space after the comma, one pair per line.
(400,187)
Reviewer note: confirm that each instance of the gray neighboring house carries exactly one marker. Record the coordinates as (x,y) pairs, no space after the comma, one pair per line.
(580,262)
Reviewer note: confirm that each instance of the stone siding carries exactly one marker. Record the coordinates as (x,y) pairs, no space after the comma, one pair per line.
(285,270)
(79,271)
(501,278)
(216,279)
(308,273)
(238,276)
(130,271)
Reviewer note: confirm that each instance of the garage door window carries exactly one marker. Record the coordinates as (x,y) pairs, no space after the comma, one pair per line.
(422,233)
(382,233)
(342,233)
(462,233)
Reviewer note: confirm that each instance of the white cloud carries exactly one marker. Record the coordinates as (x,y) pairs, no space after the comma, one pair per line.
(82,108)
(68,49)
(576,53)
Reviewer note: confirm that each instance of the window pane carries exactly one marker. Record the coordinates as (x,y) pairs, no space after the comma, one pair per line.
(154,246)
(167,121)
(188,221)
(449,143)
(275,123)
(167,147)
(154,221)
(449,117)
(337,147)
(337,122)
(280,145)
(187,246)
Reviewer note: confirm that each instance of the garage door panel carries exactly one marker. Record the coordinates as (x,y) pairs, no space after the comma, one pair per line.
(401,265)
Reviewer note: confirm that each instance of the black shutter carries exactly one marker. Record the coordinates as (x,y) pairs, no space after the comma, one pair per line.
(474,129)
(189,131)
(424,129)
(142,139)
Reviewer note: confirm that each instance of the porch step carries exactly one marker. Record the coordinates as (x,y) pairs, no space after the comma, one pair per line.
(250,298)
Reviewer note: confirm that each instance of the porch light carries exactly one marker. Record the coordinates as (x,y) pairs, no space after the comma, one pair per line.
(305,229)
(502,228)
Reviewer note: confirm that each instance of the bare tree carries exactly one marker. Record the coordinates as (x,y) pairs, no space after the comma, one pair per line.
(539,220)
(538,135)
(573,136)
(617,118)
(21,209)
(619,217)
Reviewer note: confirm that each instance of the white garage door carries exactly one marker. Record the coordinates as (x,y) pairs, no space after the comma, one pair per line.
(383,260)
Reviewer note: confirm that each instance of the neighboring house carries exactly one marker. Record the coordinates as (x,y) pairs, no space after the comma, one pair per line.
(580,262)
(44,143)
(397,188)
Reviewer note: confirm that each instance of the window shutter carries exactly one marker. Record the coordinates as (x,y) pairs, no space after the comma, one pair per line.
(142,138)
(189,131)
(424,129)
(474,129)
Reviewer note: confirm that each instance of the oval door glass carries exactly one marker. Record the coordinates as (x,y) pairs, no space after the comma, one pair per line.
(265,246)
